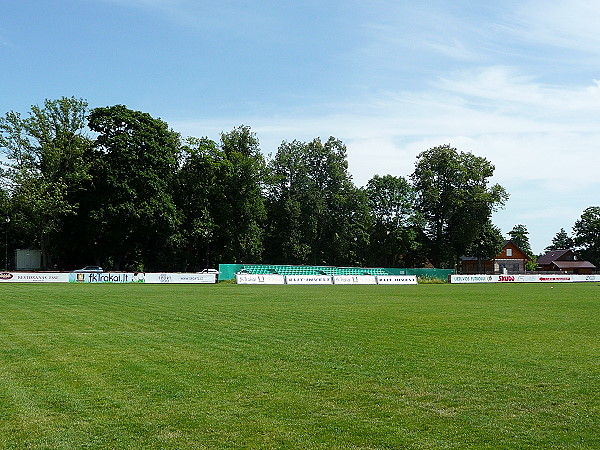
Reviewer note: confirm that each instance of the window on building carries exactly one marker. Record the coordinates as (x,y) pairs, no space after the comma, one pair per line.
(509,252)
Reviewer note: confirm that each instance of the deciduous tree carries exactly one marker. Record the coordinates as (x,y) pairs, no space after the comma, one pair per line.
(587,234)
(47,167)
(455,199)
(316,214)
(240,209)
(134,217)
(199,195)
(487,244)
(396,224)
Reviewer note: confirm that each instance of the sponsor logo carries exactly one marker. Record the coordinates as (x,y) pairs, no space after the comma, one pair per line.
(37,277)
(506,278)
(310,279)
(471,278)
(164,278)
(115,278)
(6,276)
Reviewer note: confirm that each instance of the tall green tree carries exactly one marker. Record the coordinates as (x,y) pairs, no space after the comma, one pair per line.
(199,195)
(587,234)
(135,219)
(240,213)
(47,168)
(292,200)
(562,241)
(316,214)
(455,199)
(487,245)
(395,232)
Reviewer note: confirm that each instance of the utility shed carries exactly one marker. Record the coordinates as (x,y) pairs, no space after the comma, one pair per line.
(28,259)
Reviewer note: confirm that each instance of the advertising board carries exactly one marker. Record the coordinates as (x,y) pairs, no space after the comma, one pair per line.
(397,279)
(34,277)
(106,277)
(354,279)
(308,279)
(141,277)
(181,278)
(472,279)
(244,278)
(538,278)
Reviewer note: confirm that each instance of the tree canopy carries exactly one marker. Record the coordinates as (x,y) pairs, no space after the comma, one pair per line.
(455,200)
(119,188)
(587,234)
(46,168)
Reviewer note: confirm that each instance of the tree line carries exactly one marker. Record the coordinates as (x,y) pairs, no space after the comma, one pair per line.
(119,188)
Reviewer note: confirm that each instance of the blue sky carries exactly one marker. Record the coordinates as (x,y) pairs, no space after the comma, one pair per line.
(513,81)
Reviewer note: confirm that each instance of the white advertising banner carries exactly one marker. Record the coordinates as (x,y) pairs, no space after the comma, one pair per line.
(244,278)
(472,279)
(308,279)
(550,278)
(141,277)
(181,278)
(397,279)
(354,279)
(107,277)
(34,277)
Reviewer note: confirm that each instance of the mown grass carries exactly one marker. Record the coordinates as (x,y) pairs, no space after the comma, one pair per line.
(226,366)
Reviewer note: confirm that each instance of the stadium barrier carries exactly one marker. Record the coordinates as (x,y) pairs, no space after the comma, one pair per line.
(539,278)
(244,278)
(108,277)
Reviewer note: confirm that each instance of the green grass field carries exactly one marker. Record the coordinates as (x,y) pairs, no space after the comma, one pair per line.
(347,367)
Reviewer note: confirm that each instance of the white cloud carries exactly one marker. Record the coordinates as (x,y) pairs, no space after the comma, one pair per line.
(488,113)
(571,24)
(508,90)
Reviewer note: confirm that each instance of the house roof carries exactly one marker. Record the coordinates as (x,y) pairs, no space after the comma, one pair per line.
(551,256)
(574,264)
